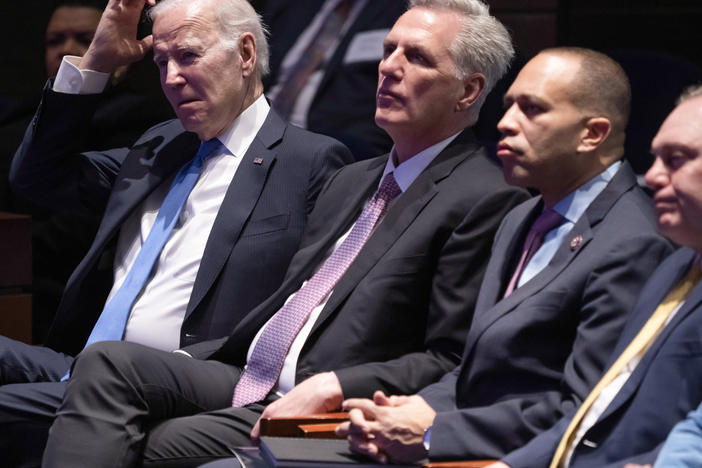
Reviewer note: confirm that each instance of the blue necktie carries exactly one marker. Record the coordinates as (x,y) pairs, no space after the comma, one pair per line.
(113,319)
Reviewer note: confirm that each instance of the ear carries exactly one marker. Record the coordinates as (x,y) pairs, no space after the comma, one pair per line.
(247,53)
(473,87)
(596,131)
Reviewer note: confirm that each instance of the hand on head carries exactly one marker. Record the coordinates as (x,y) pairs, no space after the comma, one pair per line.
(115,43)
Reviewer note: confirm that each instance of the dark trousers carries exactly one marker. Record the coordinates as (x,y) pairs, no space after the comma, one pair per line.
(127,405)
(30,392)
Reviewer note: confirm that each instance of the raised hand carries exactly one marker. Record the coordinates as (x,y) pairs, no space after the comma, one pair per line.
(115,42)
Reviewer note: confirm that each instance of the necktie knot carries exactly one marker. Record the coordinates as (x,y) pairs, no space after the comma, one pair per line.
(207,149)
(546,221)
(388,189)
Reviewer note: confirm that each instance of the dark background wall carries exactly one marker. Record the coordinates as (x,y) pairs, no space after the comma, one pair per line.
(671,26)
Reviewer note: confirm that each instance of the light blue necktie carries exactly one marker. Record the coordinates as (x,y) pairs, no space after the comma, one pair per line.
(113,319)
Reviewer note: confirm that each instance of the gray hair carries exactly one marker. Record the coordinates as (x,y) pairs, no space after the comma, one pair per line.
(482,45)
(690,92)
(234,18)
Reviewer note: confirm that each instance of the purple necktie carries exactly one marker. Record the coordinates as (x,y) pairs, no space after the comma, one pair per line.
(548,220)
(266,362)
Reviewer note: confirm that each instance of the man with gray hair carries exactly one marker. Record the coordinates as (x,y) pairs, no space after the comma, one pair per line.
(189,241)
(379,296)
(565,270)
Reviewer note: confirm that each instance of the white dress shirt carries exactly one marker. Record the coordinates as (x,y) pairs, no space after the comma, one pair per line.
(158,312)
(404,175)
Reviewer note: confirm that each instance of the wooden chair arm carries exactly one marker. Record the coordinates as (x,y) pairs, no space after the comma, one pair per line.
(289,427)
(318,431)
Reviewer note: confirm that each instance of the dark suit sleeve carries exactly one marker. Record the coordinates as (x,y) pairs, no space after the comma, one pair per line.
(610,289)
(455,282)
(48,168)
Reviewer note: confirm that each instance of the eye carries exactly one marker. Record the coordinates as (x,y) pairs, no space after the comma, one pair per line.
(675,160)
(188,56)
(531,109)
(417,57)
(388,49)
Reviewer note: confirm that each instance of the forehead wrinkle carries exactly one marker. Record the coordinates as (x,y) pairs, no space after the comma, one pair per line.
(195,26)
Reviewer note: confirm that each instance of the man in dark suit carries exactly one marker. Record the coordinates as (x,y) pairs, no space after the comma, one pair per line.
(393,315)
(344,77)
(239,226)
(543,327)
(638,400)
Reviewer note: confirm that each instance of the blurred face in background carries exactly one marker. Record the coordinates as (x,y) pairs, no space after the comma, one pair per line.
(69,32)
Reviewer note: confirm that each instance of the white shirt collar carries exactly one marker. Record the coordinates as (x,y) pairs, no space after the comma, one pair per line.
(238,137)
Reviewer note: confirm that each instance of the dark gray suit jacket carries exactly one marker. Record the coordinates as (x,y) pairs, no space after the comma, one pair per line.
(664,387)
(256,232)
(535,354)
(397,319)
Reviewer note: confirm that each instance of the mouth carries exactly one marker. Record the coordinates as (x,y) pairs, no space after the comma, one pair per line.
(503,150)
(386,96)
(185,102)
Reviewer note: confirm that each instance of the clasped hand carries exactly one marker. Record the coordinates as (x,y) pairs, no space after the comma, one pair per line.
(388,429)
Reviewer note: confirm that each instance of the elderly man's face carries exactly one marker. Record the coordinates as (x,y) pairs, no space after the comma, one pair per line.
(417,84)
(541,128)
(69,32)
(202,80)
(676,175)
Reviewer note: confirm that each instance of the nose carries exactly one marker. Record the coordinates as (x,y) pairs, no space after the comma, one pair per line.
(506,125)
(391,66)
(657,175)
(173,74)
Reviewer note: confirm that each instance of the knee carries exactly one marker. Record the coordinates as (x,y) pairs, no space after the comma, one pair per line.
(103,359)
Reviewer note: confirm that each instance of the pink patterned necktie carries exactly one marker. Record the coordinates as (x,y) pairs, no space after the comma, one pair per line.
(266,361)
(548,220)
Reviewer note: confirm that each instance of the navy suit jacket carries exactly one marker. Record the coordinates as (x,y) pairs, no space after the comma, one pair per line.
(344,103)
(397,319)
(664,387)
(535,354)
(257,230)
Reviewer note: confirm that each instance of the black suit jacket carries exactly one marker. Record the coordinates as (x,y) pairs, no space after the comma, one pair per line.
(257,230)
(397,319)
(533,355)
(344,103)
(664,387)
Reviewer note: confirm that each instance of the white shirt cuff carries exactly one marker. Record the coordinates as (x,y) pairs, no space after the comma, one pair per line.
(180,351)
(72,80)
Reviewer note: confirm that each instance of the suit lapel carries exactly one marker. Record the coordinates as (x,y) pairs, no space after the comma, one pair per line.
(146,167)
(503,256)
(398,218)
(238,204)
(692,302)
(620,183)
(247,328)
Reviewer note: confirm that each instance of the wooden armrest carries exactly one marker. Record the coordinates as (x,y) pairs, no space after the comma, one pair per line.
(460,464)
(318,431)
(288,427)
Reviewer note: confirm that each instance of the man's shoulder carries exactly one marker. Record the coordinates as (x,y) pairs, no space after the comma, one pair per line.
(168,130)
